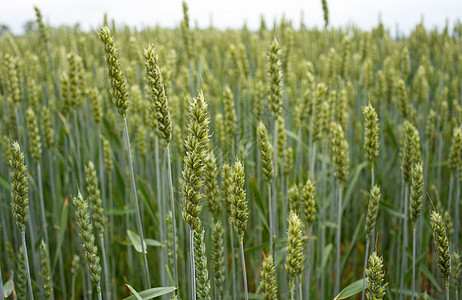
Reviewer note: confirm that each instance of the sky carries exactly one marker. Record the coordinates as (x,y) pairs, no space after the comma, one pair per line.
(232,14)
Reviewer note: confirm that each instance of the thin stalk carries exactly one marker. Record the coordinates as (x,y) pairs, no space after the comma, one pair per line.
(101,165)
(73,288)
(98,288)
(52,178)
(1,284)
(323,241)
(400,229)
(26,260)
(338,236)
(172,203)
(53,200)
(87,290)
(137,208)
(77,146)
(440,158)
(161,205)
(105,266)
(447,290)
(42,206)
(311,147)
(456,210)
(113,262)
(284,201)
(270,205)
(233,265)
(313,159)
(299,284)
(413,260)
(129,248)
(405,238)
(244,273)
(451,184)
(307,266)
(291,291)
(275,172)
(299,158)
(193,269)
(365,265)
(372,176)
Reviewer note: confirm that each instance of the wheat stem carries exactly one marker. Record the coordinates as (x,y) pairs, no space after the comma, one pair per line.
(137,208)
(366,257)
(313,160)
(413,260)
(191,256)
(233,264)
(42,205)
(405,238)
(172,204)
(447,290)
(160,202)
(338,238)
(456,210)
(270,205)
(307,266)
(273,206)
(372,176)
(244,272)
(1,284)
(26,260)
(105,265)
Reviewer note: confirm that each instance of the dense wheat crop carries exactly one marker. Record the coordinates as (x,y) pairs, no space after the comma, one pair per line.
(289,162)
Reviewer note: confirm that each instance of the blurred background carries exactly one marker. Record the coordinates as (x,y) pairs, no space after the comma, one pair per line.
(17,15)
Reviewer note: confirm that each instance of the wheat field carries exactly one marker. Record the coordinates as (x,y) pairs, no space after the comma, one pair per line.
(290,162)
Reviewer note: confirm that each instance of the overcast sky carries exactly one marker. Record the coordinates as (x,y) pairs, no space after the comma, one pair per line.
(233,14)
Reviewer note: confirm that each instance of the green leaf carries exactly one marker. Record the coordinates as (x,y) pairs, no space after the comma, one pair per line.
(153,243)
(430,277)
(119,211)
(327,250)
(391,210)
(352,184)
(261,207)
(351,290)
(146,198)
(296,138)
(136,241)
(346,255)
(5,183)
(8,288)
(257,247)
(134,292)
(253,296)
(152,293)
(62,229)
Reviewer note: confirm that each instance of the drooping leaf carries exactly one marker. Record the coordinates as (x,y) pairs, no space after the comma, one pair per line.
(152,293)
(351,290)
(153,243)
(8,288)
(136,241)
(134,292)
